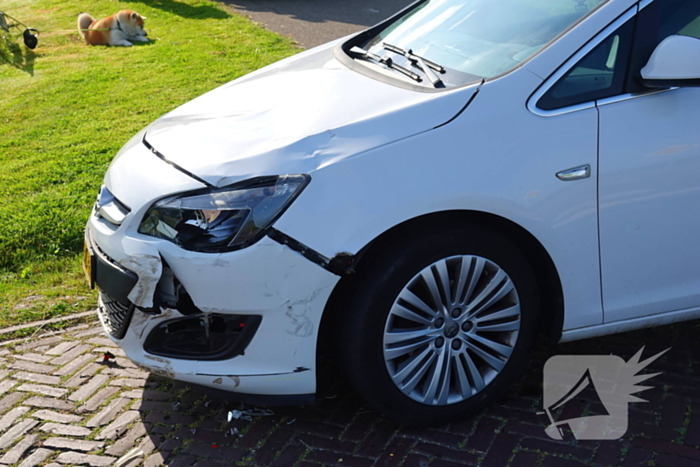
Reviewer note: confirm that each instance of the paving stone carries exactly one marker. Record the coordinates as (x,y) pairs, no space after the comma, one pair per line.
(147,445)
(43,389)
(62,348)
(75,328)
(95,401)
(6,385)
(33,357)
(65,430)
(73,444)
(89,388)
(128,382)
(133,394)
(9,418)
(154,460)
(33,367)
(148,394)
(73,366)
(37,378)
(78,458)
(107,414)
(88,332)
(32,344)
(127,442)
(160,406)
(15,454)
(102,341)
(71,354)
(56,417)
(10,400)
(36,458)
(16,432)
(4,374)
(49,403)
(119,425)
(80,377)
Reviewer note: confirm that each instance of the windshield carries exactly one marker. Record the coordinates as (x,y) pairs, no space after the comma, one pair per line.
(476,39)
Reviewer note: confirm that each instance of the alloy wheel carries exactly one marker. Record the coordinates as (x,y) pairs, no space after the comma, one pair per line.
(451,330)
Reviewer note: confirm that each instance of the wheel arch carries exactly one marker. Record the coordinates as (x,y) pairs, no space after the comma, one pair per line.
(547,277)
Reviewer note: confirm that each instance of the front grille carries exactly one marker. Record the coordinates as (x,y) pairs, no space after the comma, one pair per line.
(114,315)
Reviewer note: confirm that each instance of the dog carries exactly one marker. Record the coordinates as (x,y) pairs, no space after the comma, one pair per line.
(118,29)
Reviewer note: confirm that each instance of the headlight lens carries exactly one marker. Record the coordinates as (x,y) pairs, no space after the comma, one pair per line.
(225,219)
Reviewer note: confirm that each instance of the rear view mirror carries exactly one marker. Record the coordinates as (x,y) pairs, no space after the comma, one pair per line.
(674,63)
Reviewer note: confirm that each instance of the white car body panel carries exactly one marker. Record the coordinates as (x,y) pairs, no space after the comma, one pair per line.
(512,177)
(270,280)
(649,210)
(292,119)
(130,176)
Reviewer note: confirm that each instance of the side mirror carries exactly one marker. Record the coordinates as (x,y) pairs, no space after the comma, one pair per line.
(674,63)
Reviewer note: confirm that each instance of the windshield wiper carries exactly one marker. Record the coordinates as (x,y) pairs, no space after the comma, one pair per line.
(423,63)
(386,61)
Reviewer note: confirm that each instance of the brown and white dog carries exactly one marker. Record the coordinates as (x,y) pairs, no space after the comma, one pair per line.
(118,29)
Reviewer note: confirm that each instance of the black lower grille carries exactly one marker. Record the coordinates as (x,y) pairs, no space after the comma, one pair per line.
(114,315)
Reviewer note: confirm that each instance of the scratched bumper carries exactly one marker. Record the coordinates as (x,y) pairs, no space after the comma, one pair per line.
(269,280)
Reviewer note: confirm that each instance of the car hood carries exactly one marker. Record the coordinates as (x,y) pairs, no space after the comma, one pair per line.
(295,116)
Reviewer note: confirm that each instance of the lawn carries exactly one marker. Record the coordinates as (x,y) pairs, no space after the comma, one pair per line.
(66,109)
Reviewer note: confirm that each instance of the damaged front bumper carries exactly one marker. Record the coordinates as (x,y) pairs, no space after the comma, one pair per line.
(243,323)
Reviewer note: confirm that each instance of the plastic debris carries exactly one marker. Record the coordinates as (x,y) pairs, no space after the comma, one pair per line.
(307,446)
(231,432)
(234,415)
(176,406)
(193,430)
(291,421)
(107,357)
(257,412)
(247,413)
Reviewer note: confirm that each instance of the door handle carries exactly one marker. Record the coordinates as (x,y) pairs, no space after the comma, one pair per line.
(577,173)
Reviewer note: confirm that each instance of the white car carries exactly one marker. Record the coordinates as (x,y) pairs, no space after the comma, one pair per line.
(414,203)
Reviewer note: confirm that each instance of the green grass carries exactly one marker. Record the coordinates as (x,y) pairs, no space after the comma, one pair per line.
(66,109)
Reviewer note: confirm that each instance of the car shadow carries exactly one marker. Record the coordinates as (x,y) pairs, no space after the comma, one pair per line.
(358,12)
(185,425)
(16,55)
(201,11)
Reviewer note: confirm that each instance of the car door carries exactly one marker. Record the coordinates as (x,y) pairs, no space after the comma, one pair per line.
(649,181)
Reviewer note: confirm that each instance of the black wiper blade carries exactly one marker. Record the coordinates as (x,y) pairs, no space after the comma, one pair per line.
(386,61)
(423,63)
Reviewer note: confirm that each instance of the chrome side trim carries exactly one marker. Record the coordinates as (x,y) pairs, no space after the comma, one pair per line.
(629,96)
(630,324)
(577,173)
(534,99)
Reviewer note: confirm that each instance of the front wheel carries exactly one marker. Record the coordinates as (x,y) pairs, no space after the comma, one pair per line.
(439,325)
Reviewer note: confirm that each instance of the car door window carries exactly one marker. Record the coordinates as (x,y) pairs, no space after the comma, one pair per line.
(599,74)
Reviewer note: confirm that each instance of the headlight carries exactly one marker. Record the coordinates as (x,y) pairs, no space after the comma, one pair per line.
(224,219)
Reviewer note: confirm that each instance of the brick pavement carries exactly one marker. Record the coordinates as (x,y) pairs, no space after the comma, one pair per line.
(60,405)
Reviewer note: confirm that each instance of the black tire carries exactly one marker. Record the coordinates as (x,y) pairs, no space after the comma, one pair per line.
(383,276)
